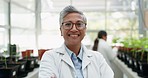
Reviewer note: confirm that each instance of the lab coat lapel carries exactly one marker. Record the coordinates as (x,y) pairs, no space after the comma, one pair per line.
(86,58)
(67,60)
(65,57)
(85,62)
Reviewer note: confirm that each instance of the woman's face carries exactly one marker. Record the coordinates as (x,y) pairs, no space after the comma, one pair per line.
(105,38)
(73,36)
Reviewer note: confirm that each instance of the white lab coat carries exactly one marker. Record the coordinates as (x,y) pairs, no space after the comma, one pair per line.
(106,51)
(110,55)
(56,63)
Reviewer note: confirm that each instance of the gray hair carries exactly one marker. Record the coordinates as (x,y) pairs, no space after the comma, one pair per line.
(70,9)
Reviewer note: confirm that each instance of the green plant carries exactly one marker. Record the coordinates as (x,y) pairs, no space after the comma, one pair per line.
(144,46)
(140,45)
(115,40)
(5,55)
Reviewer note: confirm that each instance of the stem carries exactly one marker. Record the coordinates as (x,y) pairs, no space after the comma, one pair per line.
(142,55)
(147,57)
(5,62)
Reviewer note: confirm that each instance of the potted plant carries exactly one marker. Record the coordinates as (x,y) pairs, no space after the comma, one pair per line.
(143,60)
(6,70)
(32,61)
(14,59)
(123,51)
(22,65)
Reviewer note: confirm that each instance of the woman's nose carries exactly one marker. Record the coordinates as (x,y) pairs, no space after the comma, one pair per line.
(74,27)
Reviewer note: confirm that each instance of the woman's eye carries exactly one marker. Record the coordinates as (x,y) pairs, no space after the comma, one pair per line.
(68,24)
(78,24)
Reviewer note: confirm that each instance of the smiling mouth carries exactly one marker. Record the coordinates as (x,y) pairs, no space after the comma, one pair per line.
(73,35)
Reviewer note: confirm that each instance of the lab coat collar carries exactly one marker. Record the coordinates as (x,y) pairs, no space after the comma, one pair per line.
(65,57)
(86,56)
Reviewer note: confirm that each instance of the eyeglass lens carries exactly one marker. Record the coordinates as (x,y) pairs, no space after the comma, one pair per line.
(69,25)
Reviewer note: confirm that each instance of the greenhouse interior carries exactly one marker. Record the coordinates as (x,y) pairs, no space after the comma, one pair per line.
(28,28)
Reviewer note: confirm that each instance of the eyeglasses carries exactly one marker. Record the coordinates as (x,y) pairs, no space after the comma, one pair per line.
(78,25)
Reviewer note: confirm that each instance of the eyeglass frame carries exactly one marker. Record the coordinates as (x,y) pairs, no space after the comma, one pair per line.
(75,25)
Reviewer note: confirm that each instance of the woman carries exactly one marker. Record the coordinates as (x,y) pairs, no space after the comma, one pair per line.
(101,45)
(73,59)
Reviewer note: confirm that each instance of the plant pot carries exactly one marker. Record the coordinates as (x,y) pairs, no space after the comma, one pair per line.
(41,52)
(129,62)
(22,67)
(30,65)
(143,64)
(143,70)
(10,72)
(27,53)
(36,60)
(135,62)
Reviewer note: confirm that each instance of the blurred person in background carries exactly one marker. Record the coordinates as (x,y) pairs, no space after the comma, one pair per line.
(101,45)
(73,59)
